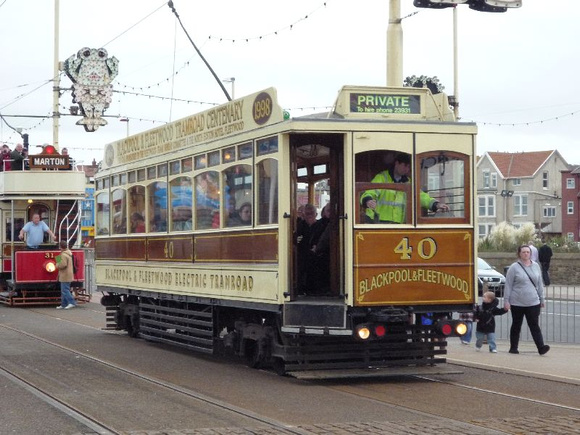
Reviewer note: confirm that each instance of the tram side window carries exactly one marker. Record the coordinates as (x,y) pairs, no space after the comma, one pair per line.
(137,209)
(267,178)
(18,224)
(443,176)
(103,214)
(237,181)
(157,199)
(207,200)
(181,204)
(119,212)
(383,187)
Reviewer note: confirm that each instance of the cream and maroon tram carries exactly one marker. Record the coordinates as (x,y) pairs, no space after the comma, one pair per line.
(47,185)
(180,261)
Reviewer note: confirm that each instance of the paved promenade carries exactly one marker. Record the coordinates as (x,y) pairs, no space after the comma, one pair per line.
(560,363)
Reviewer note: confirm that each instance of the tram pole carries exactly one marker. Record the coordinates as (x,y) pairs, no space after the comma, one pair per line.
(395,45)
(56,82)
(455,67)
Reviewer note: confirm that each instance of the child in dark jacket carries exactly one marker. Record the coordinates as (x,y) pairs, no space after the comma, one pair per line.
(484,315)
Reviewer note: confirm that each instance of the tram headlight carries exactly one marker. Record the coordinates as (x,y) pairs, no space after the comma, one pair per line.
(49,266)
(461,328)
(453,328)
(363,332)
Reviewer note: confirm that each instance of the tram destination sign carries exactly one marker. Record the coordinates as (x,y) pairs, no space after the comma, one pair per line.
(399,104)
(49,161)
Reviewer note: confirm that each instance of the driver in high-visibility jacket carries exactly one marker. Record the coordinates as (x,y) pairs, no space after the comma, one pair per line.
(389,206)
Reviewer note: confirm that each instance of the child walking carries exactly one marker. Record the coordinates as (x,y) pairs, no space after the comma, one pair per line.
(484,316)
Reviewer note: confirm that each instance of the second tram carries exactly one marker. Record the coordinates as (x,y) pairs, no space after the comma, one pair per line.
(200,241)
(47,185)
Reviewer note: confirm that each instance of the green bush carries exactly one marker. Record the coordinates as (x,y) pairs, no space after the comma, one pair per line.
(506,238)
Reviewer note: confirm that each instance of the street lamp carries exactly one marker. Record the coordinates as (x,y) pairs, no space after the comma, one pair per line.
(478,5)
(127,121)
(506,194)
(231,80)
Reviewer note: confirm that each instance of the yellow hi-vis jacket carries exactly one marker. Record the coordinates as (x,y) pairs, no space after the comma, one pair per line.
(391,204)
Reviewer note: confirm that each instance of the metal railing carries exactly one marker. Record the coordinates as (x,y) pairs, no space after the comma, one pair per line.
(559,320)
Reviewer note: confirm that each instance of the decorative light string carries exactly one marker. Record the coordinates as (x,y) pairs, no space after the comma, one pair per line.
(266,35)
(514,124)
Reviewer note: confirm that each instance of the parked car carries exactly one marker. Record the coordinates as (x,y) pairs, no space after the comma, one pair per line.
(486,273)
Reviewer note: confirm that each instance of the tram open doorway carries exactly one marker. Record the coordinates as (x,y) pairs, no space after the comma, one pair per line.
(317,230)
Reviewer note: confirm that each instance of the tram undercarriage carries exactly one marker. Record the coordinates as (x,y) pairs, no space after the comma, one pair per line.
(257,336)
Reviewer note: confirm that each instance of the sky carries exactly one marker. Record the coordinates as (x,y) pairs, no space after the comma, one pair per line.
(517,71)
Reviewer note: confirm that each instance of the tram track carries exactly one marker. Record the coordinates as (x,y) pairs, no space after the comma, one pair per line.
(81,417)
(66,408)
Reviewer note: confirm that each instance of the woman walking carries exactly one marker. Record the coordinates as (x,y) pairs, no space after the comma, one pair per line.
(524,296)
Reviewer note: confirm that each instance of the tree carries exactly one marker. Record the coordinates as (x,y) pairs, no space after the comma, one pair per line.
(425,82)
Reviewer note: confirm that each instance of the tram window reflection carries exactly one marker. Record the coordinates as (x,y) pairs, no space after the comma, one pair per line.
(18,224)
(181,204)
(103,214)
(207,200)
(267,178)
(442,175)
(237,181)
(157,201)
(137,208)
(119,212)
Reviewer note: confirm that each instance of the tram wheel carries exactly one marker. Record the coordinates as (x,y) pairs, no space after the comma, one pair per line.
(252,354)
(279,366)
(132,327)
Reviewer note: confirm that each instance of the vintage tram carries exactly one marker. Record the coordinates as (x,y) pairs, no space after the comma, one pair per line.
(178,263)
(47,185)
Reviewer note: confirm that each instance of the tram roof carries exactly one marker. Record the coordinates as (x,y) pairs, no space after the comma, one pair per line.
(261,109)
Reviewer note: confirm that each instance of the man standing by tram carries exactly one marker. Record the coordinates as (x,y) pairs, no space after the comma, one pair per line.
(35,230)
(389,206)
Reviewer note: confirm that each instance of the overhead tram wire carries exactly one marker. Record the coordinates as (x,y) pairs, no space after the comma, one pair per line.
(170,4)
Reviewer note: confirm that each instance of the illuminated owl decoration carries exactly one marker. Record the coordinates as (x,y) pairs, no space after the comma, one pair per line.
(92,72)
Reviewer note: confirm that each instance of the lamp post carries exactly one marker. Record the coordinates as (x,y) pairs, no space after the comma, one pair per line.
(506,194)
(127,121)
(231,80)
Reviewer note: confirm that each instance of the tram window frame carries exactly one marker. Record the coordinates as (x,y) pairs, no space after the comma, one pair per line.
(211,204)
(19,223)
(238,184)
(441,159)
(267,145)
(369,164)
(106,219)
(137,201)
(157,222)
(162,170)
(183,211)
(213,158)
(186,165)
(245,151)
(265,213)
(229,155)
(200,161)
(175,167)
(121,227)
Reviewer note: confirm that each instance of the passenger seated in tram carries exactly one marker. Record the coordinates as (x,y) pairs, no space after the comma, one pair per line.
(389,206)
(137,223)
(244,216)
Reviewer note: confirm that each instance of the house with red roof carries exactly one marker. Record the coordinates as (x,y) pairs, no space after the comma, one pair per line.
(519,188)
